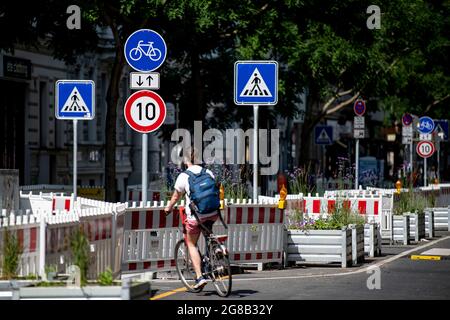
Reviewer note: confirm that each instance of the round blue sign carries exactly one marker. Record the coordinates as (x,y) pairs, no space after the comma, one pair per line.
(359,107)
(425,125)
(407,119)
(145,50)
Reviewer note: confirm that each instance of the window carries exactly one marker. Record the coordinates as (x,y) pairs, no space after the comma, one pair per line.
(94,156)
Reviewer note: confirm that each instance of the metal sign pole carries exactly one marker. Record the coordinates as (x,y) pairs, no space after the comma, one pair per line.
(438,175)
(357,164)
(144,168)
(411,145)
(75,147)
(255,152)
(425,172)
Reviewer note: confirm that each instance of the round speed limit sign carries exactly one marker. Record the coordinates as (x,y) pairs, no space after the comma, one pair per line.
(145,111)
(425,149)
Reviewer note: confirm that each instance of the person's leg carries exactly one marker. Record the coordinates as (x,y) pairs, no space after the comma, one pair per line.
(192,239)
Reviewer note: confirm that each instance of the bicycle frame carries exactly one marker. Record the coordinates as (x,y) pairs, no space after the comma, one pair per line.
(141,45)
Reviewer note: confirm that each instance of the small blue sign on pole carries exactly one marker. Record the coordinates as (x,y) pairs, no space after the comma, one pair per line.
(323,135)
(145,50)
(256,82)
(425,125)
(442,127)
(75,99)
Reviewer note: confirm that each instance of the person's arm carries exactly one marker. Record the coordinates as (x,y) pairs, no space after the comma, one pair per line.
(175,197)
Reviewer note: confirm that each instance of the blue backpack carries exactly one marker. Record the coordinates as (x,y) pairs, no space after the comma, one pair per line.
(204,192)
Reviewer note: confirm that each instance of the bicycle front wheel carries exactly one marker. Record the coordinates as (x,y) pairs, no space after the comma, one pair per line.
(155,55)
(221,272)
(184,266)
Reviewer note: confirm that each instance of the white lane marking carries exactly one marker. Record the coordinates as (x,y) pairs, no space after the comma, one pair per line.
(365,269)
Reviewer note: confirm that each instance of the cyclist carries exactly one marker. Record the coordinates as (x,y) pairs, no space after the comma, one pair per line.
(192,223)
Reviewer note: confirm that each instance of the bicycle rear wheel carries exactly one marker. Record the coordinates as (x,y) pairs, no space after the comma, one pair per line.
(184,266)
(220,271)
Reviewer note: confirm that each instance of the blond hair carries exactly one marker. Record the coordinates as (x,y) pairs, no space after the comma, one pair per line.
(191,156)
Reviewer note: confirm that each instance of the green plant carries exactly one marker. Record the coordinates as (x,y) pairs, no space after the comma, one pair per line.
(51,268)
(342,215)
(12,251)
(106,278)
(412,202)
(299,181)
(80,252)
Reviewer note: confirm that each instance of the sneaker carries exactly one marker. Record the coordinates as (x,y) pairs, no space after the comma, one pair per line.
(200,283)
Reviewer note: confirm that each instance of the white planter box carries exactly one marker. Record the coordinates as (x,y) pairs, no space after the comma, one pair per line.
(357,243)
(441,218)
(319,246)
(400,228)
(429,223)
(372,239)
(416,226)
(125,292)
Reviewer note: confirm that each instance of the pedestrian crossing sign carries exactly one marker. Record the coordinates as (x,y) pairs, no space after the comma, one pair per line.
(256,82)
(75,99)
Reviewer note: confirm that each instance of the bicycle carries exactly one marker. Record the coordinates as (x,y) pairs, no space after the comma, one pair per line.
(153,53)
(215,263)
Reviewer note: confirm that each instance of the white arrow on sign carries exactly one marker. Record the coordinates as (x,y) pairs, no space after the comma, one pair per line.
(144,80)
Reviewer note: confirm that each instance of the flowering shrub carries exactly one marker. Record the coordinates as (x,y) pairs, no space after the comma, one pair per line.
(299,180)
(411,202)
(339,217)
(233,178)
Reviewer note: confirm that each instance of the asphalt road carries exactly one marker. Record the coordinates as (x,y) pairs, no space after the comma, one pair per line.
(399,278)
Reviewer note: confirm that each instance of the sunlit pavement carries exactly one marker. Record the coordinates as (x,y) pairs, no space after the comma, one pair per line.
(400,278)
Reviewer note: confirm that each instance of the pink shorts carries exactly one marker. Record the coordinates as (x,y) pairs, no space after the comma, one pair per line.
(192,226)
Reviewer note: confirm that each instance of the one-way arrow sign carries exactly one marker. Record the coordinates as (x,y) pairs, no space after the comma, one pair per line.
(148,80)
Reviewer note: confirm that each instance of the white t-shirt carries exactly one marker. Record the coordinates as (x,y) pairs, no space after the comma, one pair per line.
(182,186)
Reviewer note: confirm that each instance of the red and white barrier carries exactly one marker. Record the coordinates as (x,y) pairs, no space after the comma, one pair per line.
(62,203)
(149,239)
(255,232)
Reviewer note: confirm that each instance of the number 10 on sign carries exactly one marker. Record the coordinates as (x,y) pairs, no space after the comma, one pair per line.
(145,111)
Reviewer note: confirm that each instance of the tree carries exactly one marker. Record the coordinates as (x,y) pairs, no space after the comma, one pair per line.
(327,47)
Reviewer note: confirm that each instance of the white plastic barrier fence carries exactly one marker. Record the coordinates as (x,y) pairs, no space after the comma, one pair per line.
(255,235)
(149,239)
(98,224)
(255,232)
(26,230)
(46,201)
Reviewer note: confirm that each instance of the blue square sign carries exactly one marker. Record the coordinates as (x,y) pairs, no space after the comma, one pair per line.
(256,82)
(75,99)
(323,135)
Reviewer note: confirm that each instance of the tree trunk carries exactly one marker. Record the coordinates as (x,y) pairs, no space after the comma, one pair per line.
(311,120)
(112,98)
(197,86)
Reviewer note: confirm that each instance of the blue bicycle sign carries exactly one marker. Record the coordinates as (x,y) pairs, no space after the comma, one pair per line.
(425,125)
(145,50)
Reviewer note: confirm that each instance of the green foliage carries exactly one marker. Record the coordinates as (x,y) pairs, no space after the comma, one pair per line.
(80,252)
(298,181)
(11,254)
(412,202)
(106,278)
(342,215)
